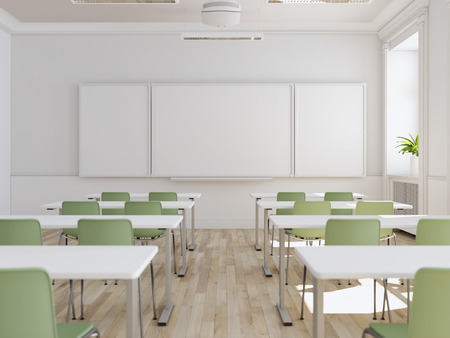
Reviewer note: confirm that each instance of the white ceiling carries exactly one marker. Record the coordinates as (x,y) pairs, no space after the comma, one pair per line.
(255,13)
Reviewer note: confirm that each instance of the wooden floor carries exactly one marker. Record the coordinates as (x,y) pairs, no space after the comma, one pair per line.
(225,294)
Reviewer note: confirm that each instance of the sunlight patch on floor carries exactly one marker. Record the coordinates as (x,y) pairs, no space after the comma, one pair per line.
(356,298)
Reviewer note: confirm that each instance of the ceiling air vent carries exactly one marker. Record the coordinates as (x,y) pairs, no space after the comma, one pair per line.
(228,36)
(126,2)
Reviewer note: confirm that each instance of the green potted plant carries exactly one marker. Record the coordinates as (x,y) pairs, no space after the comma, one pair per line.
(410,145)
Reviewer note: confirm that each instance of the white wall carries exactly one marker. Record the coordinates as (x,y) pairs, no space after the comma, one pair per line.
(438,108)
(48,68)
(5,121)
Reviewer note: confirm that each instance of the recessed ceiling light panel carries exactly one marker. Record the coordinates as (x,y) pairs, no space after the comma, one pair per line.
(123,2)
(319,1)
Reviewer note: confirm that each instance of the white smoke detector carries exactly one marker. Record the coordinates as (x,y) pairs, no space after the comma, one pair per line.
(221,13)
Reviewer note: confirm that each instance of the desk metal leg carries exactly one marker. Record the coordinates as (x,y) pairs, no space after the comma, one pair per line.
(168,303)
(183,267)
(192,246)
(257,247)
(132,308)
(318,317)
(266,268)
(285,318)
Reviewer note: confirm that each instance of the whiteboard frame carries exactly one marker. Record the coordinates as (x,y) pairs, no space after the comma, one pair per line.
(297,156)
(292,130)
(82,173)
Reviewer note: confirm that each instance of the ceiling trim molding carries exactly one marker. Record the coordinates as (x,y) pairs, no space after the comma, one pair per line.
(411,16)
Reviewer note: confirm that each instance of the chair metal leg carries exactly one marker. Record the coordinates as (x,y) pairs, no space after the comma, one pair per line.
(174,256)
(82,303)
(71,303)
(140,308)
(287,261)
(153,290)
(303,291)
(386,301)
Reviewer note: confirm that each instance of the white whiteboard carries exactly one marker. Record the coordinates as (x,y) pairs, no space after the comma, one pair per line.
(330,128)
(114,130)
(222,130)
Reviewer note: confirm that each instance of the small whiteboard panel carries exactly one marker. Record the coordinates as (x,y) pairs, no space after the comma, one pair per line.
(222,130)
(330,127)
(114,130)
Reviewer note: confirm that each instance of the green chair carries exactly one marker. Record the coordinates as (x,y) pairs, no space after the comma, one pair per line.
(144,235)
(164,196)
(307,234)
(339,196)
(287,196)
(378,208)
(77,208)
(430,309)
(433,232)
(27,308)
(20,232)
(110,232)
(114,196)
(349,232)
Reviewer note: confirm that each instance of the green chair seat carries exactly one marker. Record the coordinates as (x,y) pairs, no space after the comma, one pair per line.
(377,208)
(145,208)
(433,232)
(310,208)
(74,330)
(164,196)
(20,232)
(78,208)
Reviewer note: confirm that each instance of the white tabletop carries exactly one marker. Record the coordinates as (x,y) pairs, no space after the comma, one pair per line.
(352,262)
(98,195)
(334,205)
(309,195)
(75,261)
(71,221)
(319,221)
(121,204)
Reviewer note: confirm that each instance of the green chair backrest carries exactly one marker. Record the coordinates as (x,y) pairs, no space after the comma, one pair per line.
(289,196)
(20,232)
(144,208)
(26,306)
(352,232)
(105,232)
(374,208)
(430,308)
(80,208)
(433,232)
(310,208)
(339,196)
(114,196)
(164,196)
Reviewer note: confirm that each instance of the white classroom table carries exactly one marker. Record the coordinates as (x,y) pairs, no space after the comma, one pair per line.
(310,196)
(144,196)
(284,222)
(138,222)
(352,262)
(75,262)
(270,205)
(180,205)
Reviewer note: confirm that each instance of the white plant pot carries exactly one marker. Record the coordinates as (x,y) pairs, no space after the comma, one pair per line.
(414,166)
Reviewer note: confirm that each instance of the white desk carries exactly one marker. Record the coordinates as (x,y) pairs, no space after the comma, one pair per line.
(351,262)
(180,205)
(111,262)
(144,196)
(138,222)
(283,222)
(310,196)
(270,205)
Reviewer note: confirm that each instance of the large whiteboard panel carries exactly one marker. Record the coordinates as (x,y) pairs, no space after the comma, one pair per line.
(114,130)
(222,130)
(330,130)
